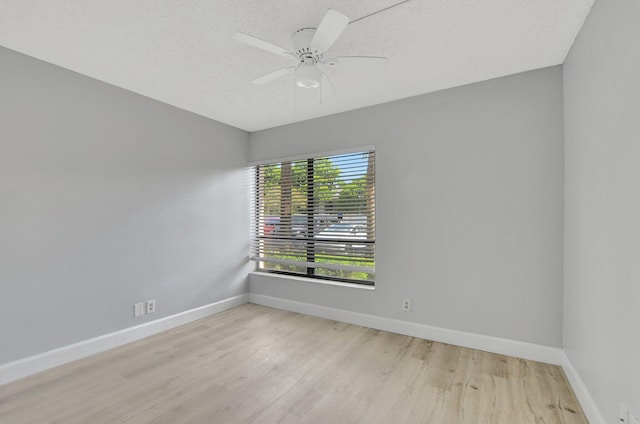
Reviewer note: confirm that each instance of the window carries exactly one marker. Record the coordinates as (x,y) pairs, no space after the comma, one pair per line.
(316,217)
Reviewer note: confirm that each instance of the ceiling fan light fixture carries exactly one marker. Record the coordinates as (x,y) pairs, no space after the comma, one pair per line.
(308,76)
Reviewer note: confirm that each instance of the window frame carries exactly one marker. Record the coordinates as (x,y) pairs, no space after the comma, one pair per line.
(311,218)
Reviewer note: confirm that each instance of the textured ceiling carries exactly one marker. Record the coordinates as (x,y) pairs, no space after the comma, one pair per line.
(182,52)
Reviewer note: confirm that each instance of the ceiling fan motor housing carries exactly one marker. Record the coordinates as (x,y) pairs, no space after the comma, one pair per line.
(301,40)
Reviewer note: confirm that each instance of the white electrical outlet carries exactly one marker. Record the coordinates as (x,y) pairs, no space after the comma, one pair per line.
(151,306)
(138,309)
(406,305)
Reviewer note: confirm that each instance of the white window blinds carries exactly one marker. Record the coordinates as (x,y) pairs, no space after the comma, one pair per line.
(316,217)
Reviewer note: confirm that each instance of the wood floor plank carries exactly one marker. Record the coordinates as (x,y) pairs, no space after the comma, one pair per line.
(254,364)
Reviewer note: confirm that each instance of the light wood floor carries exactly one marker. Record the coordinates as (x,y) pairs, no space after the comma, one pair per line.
(254,364)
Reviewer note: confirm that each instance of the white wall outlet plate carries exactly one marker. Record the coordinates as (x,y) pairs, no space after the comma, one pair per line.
(151,306)
(138,309)
(406,305)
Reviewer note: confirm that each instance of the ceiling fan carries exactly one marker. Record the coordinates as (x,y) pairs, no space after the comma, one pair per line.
(309,48)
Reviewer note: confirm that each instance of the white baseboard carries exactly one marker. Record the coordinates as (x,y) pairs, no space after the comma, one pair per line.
(33,364)
(550,355)
(591,410)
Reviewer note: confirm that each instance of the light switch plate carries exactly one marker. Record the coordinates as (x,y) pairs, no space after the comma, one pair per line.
(138,309)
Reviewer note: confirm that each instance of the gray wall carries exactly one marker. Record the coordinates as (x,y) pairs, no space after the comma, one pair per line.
(602,236)
(469,206)
(108,198)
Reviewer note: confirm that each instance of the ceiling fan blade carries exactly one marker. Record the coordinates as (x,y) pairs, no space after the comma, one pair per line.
(355,60)
(261,44)
(324,67)
(274,75)
(327,89)
(326,82)
(329,29)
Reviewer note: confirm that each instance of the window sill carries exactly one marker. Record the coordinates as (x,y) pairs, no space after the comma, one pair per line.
(313,280)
